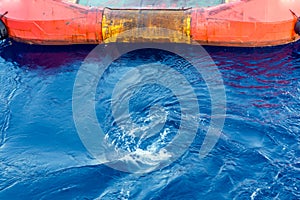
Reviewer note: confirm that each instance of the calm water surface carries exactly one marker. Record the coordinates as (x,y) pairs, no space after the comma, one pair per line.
(257,156)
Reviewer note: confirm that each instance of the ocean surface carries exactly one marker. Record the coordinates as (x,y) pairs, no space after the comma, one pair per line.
(43,156)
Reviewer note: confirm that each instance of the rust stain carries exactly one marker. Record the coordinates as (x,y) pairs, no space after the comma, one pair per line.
(134,25)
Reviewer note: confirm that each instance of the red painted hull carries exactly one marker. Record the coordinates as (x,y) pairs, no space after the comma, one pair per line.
(242,23)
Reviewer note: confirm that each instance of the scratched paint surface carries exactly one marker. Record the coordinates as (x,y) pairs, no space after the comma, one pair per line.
(161,25)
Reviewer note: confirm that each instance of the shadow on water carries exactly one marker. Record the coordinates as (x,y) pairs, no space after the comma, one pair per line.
(45,57)
(35,56)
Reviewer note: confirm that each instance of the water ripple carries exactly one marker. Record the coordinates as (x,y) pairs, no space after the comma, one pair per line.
(257,156)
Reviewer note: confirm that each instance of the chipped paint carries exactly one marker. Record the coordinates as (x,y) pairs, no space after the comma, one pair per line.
(240,23)
(150,25)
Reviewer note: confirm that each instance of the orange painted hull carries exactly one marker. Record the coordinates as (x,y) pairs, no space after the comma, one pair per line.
(244,23)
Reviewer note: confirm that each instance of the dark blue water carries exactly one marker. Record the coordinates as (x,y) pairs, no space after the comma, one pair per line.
(256,157)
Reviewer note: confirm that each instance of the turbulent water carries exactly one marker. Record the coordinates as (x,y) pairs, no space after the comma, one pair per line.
(256,157)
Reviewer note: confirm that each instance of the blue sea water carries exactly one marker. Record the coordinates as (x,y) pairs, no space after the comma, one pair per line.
(256,157)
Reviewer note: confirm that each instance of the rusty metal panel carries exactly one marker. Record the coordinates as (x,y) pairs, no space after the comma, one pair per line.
(146,25)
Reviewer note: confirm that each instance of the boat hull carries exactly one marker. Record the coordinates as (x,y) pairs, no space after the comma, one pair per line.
(244,23)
